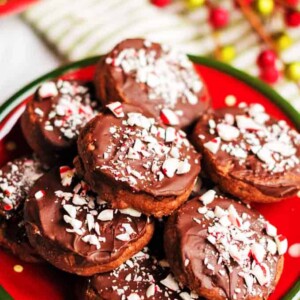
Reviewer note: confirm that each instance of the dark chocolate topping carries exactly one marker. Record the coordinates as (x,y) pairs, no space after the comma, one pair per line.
(156,78)
(74,219)
(253,147)
(62,108)
(14,238)
(16,179)
(133,150)
(228,246)
(141,277)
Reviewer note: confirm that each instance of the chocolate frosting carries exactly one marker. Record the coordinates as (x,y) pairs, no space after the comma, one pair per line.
(54,116)
(142,275)
(211,266)
(16,179)
(105,143)
(256,169)
(62,214)
(152,77)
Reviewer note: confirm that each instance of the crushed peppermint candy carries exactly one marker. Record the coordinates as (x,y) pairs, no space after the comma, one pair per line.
(243,243)
(16,179)
(117,109)
(72,107)
(252,132)
(142,153)
(91,218)
(167,74)
(141,277)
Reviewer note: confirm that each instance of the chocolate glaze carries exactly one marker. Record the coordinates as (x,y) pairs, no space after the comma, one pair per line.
(96,136)
(51,122)
(48,215)
(114,83)
(138,275)
(194,248)
(252,170)
(16,178)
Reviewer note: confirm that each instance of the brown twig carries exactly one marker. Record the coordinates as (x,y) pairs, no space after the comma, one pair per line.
(256,24)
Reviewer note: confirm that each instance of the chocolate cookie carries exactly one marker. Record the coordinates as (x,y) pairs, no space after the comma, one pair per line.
(76,231)
(16,178)
(131,161)
(54,116)
(141,277)
(223,249)
(161,81)
(249,154)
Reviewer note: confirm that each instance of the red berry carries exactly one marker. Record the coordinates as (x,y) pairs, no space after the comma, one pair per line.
(266,58)
(269,74)
(219,17)
(161,3)
(292,18)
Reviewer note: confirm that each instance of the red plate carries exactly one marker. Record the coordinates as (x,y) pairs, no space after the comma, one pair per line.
(43,281)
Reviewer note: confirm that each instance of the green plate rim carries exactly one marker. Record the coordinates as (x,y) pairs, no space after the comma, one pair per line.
(255,83)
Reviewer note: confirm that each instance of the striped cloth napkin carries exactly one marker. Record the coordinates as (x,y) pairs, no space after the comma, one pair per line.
(80,28)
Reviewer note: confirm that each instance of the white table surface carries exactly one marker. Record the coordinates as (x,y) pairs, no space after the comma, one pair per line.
(23,56)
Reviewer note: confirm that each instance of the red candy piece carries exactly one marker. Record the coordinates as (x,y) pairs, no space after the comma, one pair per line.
(269,74)
(161,3)
(219,17)
(7,207)
(267,58)
(292,18)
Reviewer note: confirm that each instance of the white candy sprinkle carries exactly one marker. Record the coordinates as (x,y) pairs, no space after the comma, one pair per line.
(208,197)
(71,210)
(170,283)
(227,132)
(150,290)
(258,252)
(170,166)
(134,296)
(183,167)
(39,195)
(106,215)
(48,89)
(271,230)
(131,212)
(169,117)
(78,200)
(123,237)
(247,123)
(117,109)
(261,272)
(185,296)
(282,244)
(271,247)
(170,134)
(213,145)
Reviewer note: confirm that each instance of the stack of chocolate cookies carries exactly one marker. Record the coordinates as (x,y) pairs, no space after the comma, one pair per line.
(120,203)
